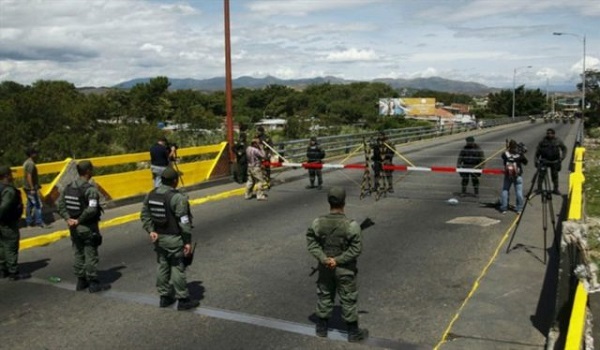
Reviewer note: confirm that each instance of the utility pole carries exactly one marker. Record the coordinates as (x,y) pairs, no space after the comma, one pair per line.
(228,88)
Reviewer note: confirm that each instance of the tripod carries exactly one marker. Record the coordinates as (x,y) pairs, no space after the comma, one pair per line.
(541,178)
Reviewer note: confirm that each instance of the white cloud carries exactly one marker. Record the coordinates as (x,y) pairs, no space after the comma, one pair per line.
(151,47)
(350,55)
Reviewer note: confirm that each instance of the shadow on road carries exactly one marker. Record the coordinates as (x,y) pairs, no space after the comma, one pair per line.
(32,266)
(196,290)
(111,275)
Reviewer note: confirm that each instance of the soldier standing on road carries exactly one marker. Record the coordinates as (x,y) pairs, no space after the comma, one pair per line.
(11,209)
(79,206)
(240,175)
(255,156)
(470,156)
(31,186)
(166,217)
(315,155)
(551,151)
(335,241)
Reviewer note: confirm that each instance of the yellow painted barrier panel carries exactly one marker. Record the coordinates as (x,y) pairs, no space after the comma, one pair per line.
(577,321)
(576,181)
(123,185)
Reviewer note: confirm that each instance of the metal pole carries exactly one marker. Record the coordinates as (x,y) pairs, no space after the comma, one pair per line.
(583,83)
(228,93)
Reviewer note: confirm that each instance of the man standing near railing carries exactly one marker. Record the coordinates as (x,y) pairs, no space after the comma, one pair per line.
(160,158)
(31,186)
(255,156)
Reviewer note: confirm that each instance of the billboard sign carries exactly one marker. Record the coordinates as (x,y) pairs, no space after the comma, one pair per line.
(409,107)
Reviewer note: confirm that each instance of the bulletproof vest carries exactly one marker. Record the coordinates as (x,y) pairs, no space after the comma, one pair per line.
(75,200)
(549,150)
(314,153)
(14,209)
(165,221)
(333,232)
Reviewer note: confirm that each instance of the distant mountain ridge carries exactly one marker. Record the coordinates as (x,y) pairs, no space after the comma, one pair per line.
(218,83)
(432,83)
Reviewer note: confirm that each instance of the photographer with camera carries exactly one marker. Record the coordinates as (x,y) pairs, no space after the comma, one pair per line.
(161,156)
(550,152)
(513,159)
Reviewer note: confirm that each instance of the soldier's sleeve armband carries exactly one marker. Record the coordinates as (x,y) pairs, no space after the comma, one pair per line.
(185,219)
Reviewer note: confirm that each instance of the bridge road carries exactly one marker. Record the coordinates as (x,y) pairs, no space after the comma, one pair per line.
(251,269)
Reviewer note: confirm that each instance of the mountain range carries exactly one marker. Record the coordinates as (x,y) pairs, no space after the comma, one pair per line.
(433,83)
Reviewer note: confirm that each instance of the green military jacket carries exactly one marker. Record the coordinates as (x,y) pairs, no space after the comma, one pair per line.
(348,232)
(179,206)
(7,200)
(88,220)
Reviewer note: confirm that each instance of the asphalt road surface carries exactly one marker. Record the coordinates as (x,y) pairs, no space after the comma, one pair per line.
(251,270)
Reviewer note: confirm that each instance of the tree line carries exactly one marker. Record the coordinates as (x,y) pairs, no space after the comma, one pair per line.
(62,121)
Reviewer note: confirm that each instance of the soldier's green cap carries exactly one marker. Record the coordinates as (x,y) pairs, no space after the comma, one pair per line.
(336,195)
(470,139)
(4,170)
(170,174)
(84,166)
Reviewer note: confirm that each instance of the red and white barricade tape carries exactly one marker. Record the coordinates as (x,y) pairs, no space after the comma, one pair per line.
(435,169)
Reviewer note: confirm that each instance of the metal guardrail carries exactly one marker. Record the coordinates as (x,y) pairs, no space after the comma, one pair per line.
(295,150)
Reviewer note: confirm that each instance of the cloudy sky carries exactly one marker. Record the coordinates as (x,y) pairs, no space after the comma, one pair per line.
(105,42)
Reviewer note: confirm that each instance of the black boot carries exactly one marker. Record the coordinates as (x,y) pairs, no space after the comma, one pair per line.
(187,304)
(556,191)
(321,328)
(96,286)
(476,189)
(166,301)
(82,284)
(356,334)
(3,274)
(463,191)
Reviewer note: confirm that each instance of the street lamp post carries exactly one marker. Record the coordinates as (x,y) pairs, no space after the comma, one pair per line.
(582,37)
(513,90)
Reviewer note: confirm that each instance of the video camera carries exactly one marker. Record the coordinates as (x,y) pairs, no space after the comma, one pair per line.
(521,148)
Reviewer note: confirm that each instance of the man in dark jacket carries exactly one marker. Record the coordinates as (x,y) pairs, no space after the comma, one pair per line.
(471,156)
(315,155)
(11,209)
(550,152)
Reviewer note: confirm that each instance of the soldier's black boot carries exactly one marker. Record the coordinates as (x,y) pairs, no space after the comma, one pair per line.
(82,284)
(3,273)
(463,191)
(187,304)
(166,301)
(96,286)
(356,334)
(321,328)
(476,189)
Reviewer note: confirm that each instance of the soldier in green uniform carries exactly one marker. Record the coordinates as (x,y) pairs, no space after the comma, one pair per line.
(79,206)
(166,217)
(335,241)
(11,209)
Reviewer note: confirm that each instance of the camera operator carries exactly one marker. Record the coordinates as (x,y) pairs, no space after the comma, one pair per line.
(161,156)
(513,159)
(550,152)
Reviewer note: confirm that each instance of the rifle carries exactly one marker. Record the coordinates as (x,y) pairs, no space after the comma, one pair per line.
(187,260)
(365,224)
